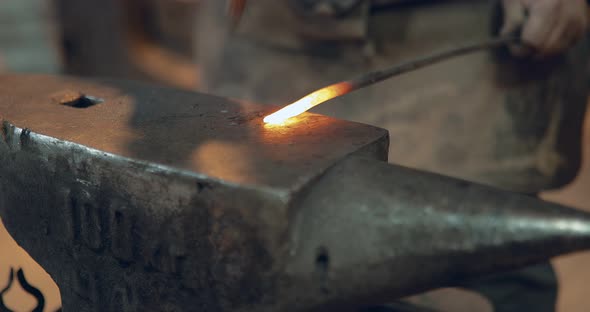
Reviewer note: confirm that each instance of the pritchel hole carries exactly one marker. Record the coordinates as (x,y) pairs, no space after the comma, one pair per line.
(80,100)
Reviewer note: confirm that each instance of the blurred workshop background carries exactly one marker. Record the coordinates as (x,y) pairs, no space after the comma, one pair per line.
(156,45)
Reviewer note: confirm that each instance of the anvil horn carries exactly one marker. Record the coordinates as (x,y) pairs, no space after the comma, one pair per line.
(379,231)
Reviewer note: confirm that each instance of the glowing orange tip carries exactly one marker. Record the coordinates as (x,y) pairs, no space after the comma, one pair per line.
(306,103)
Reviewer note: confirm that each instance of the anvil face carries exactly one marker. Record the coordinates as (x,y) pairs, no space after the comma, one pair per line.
(219,138)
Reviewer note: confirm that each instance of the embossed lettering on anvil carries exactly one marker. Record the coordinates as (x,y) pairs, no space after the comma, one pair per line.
(93,225)
(109,225)
(123,299)
(85,284)
(122,238)
(160,255)
(87,221)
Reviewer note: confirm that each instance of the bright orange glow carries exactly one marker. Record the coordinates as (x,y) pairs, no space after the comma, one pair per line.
(306,103)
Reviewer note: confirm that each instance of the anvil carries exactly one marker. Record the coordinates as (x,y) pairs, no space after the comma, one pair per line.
(136,197)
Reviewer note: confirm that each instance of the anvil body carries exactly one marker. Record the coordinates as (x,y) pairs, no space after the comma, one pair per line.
(154,199)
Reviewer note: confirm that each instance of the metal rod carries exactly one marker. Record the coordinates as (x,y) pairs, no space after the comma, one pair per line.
(374,77)
(344,87)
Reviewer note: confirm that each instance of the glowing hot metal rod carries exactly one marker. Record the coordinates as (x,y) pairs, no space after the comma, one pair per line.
(341,88)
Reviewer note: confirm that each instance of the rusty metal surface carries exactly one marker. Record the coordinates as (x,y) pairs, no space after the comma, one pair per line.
(121,229)
(225,140)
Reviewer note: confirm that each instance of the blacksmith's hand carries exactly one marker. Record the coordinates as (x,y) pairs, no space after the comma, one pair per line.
(547,27)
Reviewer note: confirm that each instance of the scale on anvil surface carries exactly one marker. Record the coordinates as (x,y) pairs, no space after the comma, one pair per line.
(151,198)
